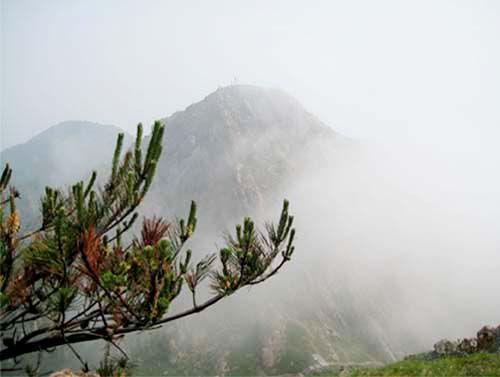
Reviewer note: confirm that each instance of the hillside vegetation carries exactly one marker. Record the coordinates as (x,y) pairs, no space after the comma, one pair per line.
(479,364)
(479,356)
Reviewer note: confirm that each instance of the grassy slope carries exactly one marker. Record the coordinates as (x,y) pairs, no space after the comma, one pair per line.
(473,365)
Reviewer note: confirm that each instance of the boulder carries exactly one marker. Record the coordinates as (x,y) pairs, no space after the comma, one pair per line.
(445,347)
(467,345)
(486,338)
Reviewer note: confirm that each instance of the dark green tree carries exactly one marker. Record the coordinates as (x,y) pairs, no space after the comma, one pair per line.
(74,279)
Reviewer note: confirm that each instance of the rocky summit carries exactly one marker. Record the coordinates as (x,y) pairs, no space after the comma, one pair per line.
(234,148)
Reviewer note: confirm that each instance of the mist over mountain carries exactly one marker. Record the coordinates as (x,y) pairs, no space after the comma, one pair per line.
(239,152)
(59,156)
(379,261)
(233,149)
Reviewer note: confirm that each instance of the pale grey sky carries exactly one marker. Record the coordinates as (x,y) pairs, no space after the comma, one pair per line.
(421,71)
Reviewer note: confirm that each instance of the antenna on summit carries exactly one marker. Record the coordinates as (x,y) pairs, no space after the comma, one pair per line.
(235,81)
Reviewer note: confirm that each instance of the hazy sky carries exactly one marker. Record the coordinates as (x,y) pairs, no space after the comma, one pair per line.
(425,71)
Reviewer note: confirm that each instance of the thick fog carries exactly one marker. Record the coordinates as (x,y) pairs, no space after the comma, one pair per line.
(407,230)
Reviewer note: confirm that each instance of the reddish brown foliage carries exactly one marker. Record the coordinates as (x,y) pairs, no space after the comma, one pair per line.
(153,230)
(17,290)
(91,250)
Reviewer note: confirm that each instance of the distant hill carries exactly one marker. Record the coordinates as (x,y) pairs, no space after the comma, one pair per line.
(59,156)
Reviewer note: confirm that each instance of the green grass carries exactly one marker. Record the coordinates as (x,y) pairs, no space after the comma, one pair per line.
(479,364)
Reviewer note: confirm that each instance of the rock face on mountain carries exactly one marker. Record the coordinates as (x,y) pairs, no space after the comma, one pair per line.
(233,148)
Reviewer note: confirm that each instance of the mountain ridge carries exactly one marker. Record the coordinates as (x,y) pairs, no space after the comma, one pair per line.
(65,126)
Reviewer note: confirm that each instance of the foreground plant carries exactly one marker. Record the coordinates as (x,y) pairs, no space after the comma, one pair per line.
(75,279)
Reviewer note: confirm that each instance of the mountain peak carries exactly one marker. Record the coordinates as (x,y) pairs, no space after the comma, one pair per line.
(249,91)
(247,139)
(71,129)
(248,109)
(84,125)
